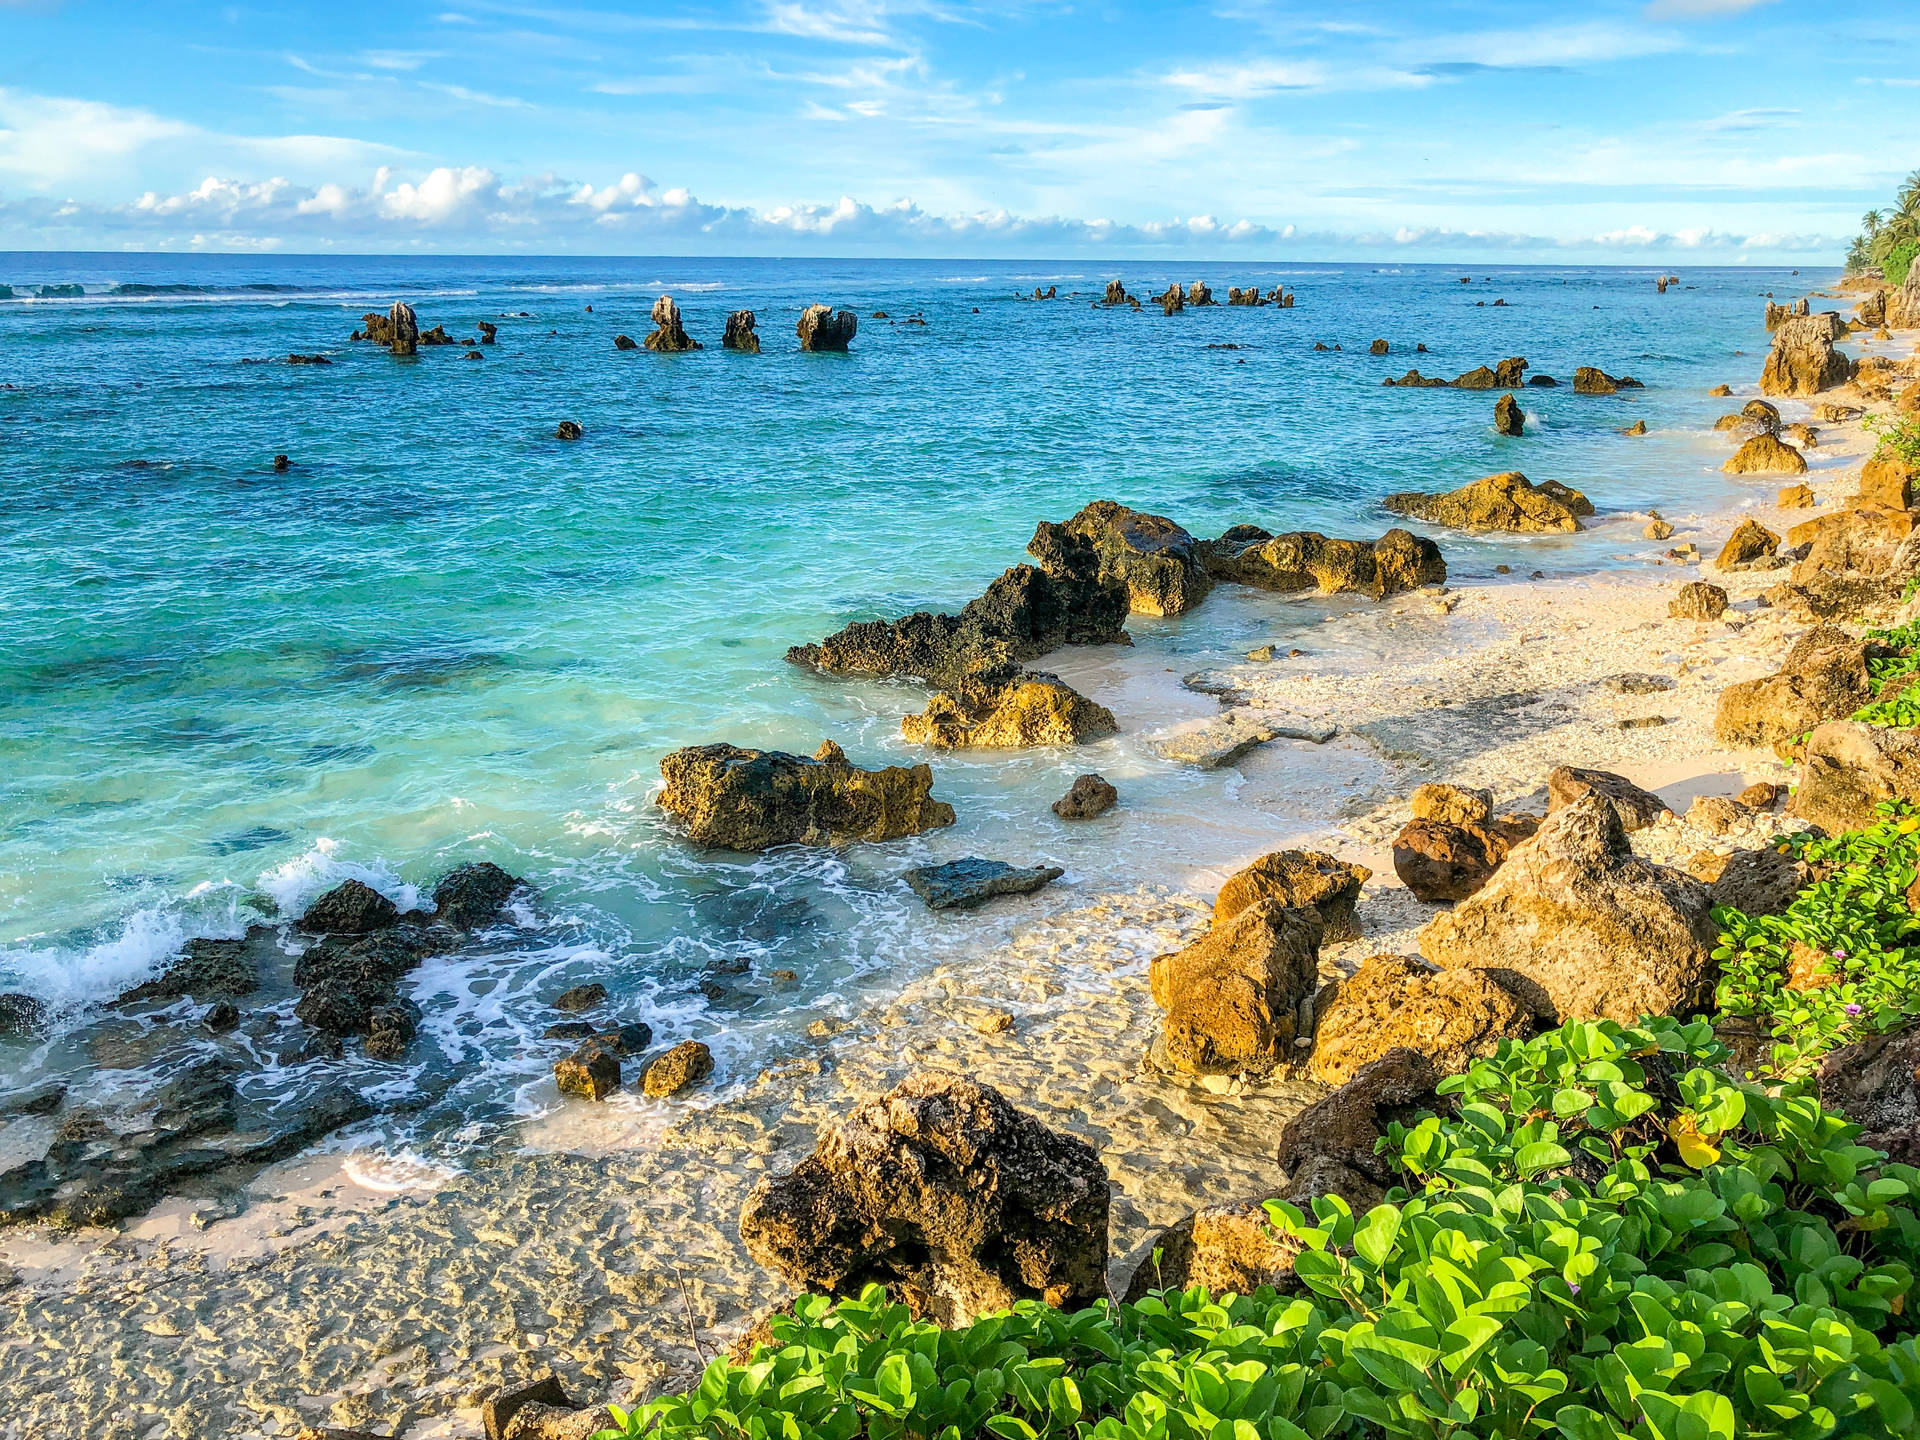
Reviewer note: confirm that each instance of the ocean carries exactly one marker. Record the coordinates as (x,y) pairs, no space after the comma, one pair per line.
(443,634)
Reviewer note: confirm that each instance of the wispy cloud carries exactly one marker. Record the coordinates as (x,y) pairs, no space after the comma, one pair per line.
(1701,9)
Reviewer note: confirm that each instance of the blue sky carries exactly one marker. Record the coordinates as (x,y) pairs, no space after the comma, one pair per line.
(1683,131)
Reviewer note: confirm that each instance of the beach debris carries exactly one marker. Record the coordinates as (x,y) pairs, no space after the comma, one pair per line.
(1765,454)
(1449,1017)
(1151,555)
(1233,997)
(989,712)
(1698,600)
(592,1070)
(1508,418)
(669,336)
(821,327)
(1304,878)
(568,430)
(970,882)
(1230,1248)
(1088,797)
(1025,613)
(472,895)
(732,798)
(1849,769)
(680,1068)
(1223,739)
(580,998)
(943,1191)
(1333,1146)
(740,334)
(1803,360)
(1636,807)
(1824,678)
(1599,931)
(1508,501)
(1298,560)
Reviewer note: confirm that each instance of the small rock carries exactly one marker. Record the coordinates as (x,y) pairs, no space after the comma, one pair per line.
(497,1412)
(1451,804)
(591,1070)
(21,1014)
(1698,600)
(282,464)
(567,1030)
(568,430)
(1714,814)
(1090,795)
(970,881)
(1761,795)
(1658,530)
(1260,652)
(1636,808)
(581,997)
(1795,497)
(1508,418)
(221,1015)
(1637,684)
(1641,722)
(686,1064)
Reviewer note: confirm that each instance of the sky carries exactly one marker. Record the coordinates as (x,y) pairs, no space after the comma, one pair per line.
(1612,131)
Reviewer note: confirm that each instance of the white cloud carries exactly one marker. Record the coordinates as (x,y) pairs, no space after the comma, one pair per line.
(1701,9)
(1587,43)
(44,139)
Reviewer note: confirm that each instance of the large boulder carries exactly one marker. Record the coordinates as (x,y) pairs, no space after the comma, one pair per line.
(1592,380)
(821,327)
(1307,560)
(944,1192)
(1849,769)
(1233,997)
(1444,860)
(1636,807)
(1508,501)
(1508,418)
(1321,883)
(740,334)
(1031,709)
(669,336)
(1903,304)
(1228,1249)
(1025,613)
(1875,1083)
(1824,678)
(1149,554)
(750,800)
(1330,1148)
(1766,454)
(1887,482)
(1803,360)
(1594,930)
(403,329)
(1451,1017)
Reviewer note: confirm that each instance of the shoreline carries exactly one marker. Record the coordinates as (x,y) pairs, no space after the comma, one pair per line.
(607,1255)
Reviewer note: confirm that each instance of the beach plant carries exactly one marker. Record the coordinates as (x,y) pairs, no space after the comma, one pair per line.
(1851,936)
(1898,437)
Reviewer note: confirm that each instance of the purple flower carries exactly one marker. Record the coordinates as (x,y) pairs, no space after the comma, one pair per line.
(1853,1009)
(1573,1286)
(1839,954)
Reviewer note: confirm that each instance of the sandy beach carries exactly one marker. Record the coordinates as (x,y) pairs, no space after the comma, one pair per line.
(603,1243)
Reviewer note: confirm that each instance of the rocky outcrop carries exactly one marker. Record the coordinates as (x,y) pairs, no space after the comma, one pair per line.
(1249,296)
(1116,294)
(1875,1083)
(1199,293)
(1887,481)
(740,334)
(1298,878)
(1903,304)
(1507,375)
(751,800)
(1778,315)
(1824,678)
(1803,360)
(1698,600)
(1591,380)
(1232,998)
(350,986)
(472,895)
(669,336)
(1331,1147)
(1307,560)
(970,882)
(1508,501)
(1848,769)
(1637,808)
(1449,1017)
(1508,418)
(1149,554)
(1030,709)
(1025,613)
(1593,930)
(1089,797)
(946,1194)
(352,908)
(1414,380)
(1749,542)
(821,327)
(205,970)
(1765,454)
(1173,301)
(1760,882)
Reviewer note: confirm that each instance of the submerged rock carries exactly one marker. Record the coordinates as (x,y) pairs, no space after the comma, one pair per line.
(353,908)
(1151,555)
(1030,709)
(1449,1017)
(740,333)
(943,1192)
(681,1068)
(21,1014)
(1302,878)
(472,895)
(1225,738)
(750,800)
(1307,560)
(669,336)
(1849,769)
(580,998)
(1594,930)
(208,970)
(1232,998)
(821,327)
(1824,678)
(1090,796)
(969,882)
(1507,501)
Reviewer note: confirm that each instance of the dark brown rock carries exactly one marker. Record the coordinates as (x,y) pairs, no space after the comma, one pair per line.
(1090,796)
(498,1410)
(751,800)
(568,430)
(1875,1082)
(470,896)
(1329,1148)
(1508,418)
(821,327)
(581,998)
(209,970)
(1227,1249)
(1760,882)
(740,333)
(1443,860)
(352,908)
(592,1070)
(1149,554)
(944,1192)
(403,329)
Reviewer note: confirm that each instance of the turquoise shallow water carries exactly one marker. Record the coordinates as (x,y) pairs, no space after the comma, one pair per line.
(444,634)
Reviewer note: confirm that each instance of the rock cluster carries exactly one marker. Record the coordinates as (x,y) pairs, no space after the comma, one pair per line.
(1508,501)
(732,798)
(821,327)
(1307,560)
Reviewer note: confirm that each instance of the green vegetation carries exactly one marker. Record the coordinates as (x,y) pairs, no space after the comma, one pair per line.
(1889,239)
(1898,437)
(1609,1239)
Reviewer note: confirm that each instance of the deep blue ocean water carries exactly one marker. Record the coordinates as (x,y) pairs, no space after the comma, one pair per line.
(444,634)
